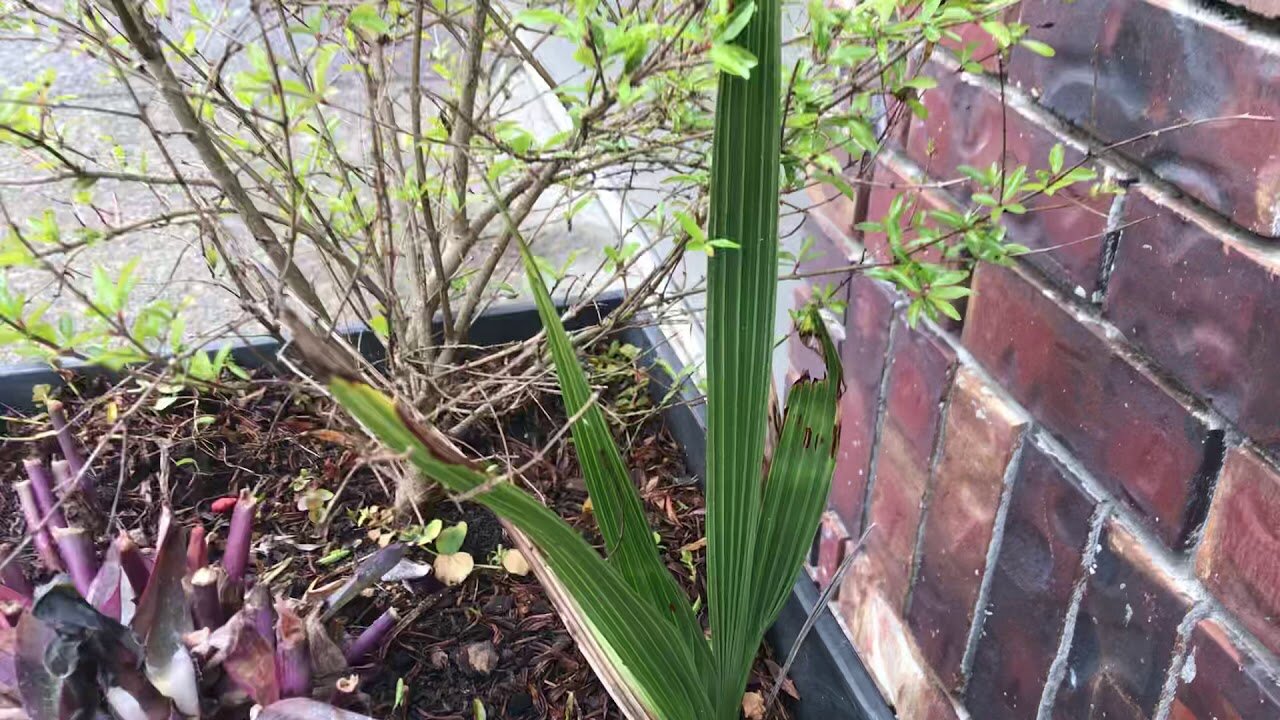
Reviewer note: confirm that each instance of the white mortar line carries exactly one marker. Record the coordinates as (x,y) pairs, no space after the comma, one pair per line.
(935,459)
(978,624)
(1181,652)
(1058,669)
(882,403)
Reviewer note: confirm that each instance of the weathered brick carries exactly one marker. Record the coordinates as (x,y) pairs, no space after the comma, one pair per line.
(968,126)
(1136,438)
(919,375)
(889,184)
(1206,309)
(1220,681)
(833,543)
(1125,68)
(864,353)
(1239,559)
(885,646)
(979,439)
(1124,636)
(1038,565)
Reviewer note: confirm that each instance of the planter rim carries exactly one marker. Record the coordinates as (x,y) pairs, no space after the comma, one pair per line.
(832,681)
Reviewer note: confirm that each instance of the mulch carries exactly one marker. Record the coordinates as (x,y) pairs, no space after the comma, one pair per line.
(280,439)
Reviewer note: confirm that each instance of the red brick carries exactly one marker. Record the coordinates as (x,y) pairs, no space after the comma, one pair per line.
(1219,681)
(889,184)
(886,649)
(1128,67)
(968,126)
(1206,309)
(1124,636)
(979,439)
(833,543)
(1138,440)
(919,375)
(863,355)
(1038,566)
(1239,559)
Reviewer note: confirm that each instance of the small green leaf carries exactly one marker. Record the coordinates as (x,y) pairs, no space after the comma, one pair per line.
(365,17)
(737,21)
(1056,156)
(1037,47)
(451,538)
(732,60)
(335,556)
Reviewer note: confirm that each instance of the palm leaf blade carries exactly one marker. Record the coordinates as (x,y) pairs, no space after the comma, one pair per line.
(740,312)
(648,653)
(615,500)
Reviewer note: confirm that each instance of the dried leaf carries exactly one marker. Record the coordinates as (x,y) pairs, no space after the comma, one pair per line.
(407,570)
(163,619)
(248,659)
(753,706)
(514,562)
(327,659)
(453,569)
(104,591)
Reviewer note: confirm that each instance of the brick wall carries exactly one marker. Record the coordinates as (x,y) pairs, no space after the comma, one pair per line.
(1075,492)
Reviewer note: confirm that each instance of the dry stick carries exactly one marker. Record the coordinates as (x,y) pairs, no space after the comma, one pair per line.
(424,200)
(139,35)
(814,614)
(463,125)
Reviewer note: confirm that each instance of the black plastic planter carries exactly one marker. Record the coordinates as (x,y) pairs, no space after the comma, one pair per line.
(831,680)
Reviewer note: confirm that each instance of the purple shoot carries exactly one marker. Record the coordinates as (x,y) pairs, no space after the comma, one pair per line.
(293,656)
(236,558)
(197,549)
(35,525)
(257,607)
(76,548)
(131,561)
(71,449)
(206,605)
(46,499)
(11,574)
(371,638)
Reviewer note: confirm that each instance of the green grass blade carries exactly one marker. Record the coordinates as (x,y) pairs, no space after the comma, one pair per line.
(797,484)
(615,501)
(742,287)
(646,648)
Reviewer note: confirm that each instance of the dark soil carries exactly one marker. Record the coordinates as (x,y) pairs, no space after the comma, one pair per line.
(279,440)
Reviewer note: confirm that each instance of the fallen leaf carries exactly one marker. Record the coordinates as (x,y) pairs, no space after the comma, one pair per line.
(753,706)
(515,563)
(407,570)
(333,436)
(454,568)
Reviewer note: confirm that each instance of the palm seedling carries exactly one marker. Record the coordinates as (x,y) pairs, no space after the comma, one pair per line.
(636,625)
